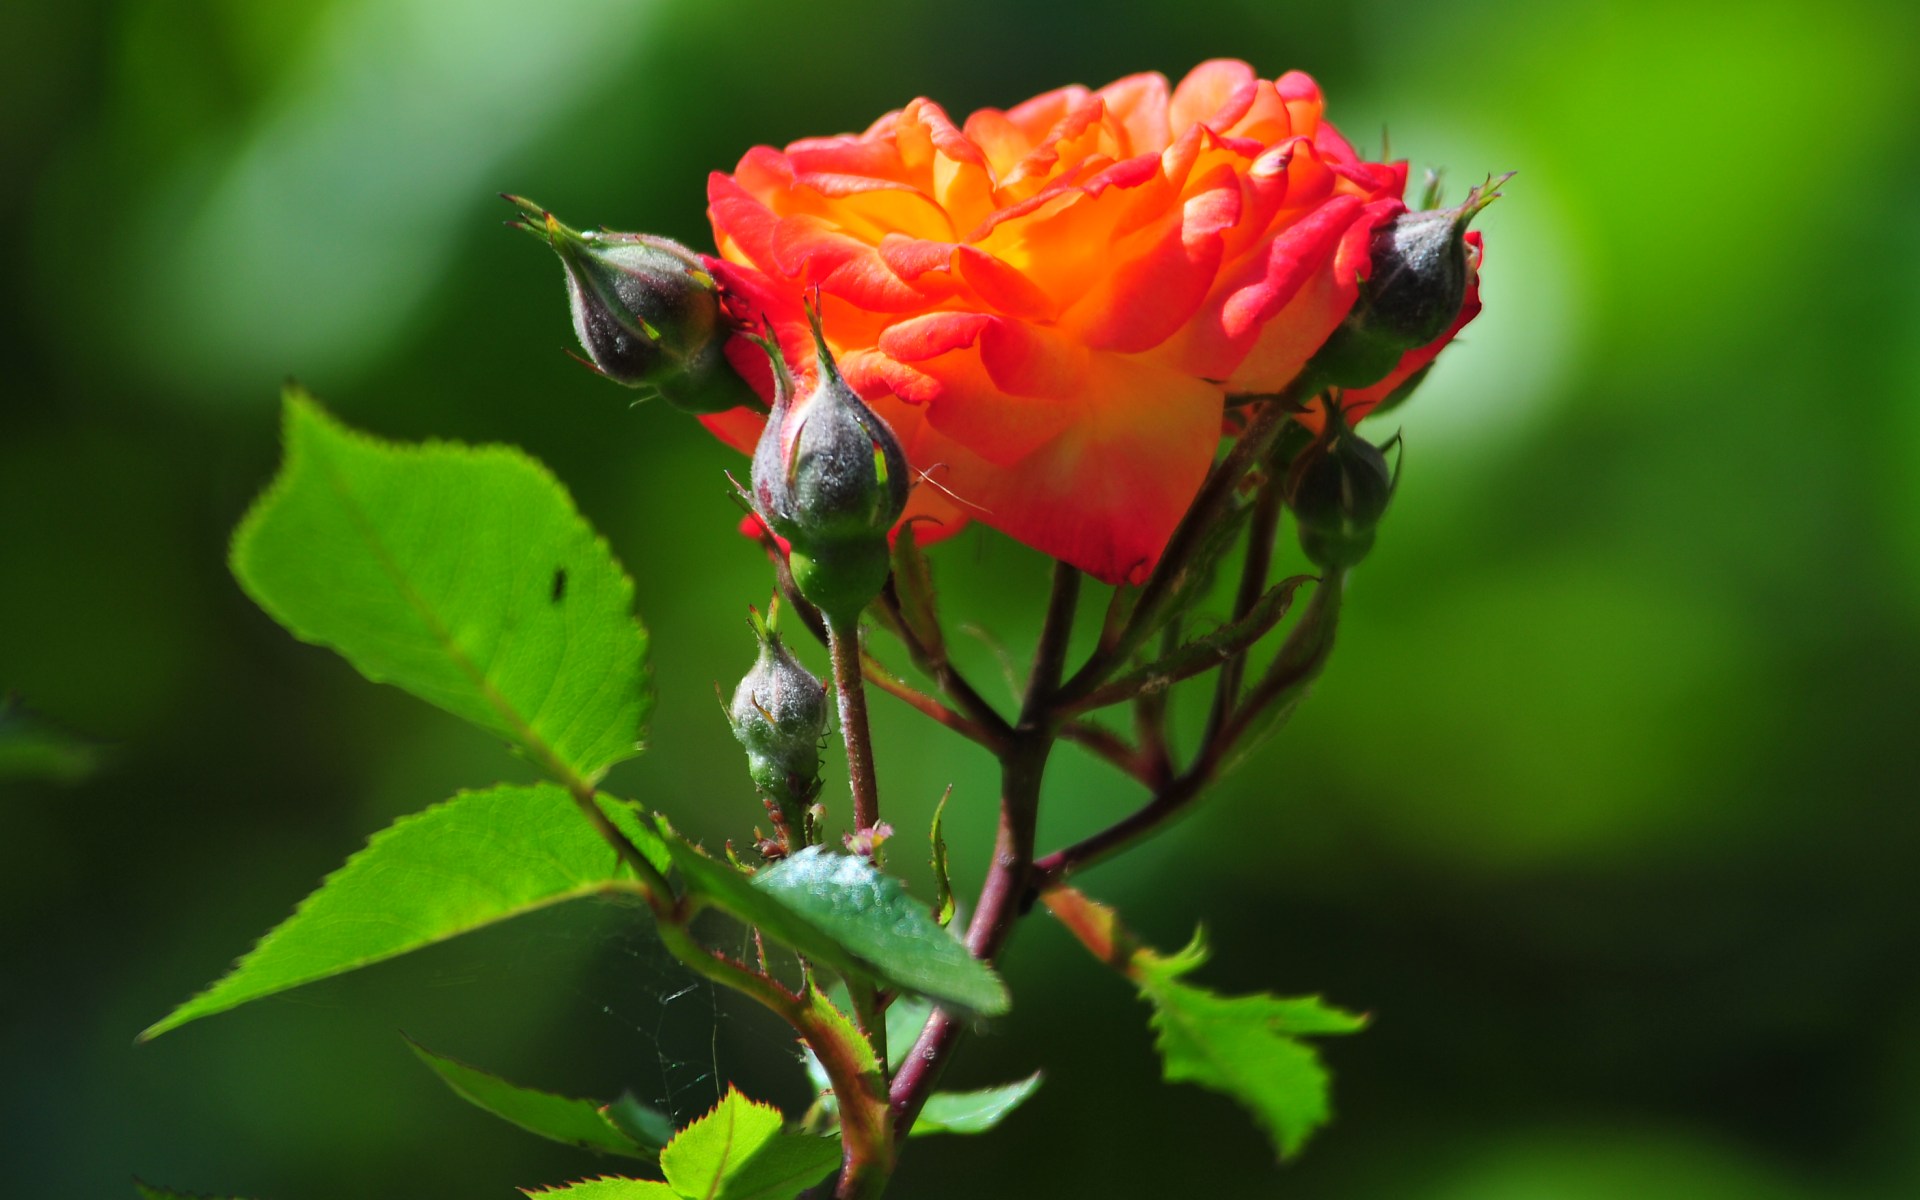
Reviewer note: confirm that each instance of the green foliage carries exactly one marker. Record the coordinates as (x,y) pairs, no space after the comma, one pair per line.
(461,574)
(1247,1047)
(945,1112)
(975,1111)
(738,1151)
(888,934)
(149,1192)
(478,858)
(583,1123)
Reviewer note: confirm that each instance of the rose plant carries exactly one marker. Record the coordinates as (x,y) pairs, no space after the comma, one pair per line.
(1131,328)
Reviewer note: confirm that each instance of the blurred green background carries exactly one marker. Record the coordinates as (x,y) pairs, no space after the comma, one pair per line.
(1605,810)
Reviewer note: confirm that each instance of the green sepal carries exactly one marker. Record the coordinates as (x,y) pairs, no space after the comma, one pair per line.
(913,583)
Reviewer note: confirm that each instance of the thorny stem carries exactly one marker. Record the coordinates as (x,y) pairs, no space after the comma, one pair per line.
(843,646)
(1006,894)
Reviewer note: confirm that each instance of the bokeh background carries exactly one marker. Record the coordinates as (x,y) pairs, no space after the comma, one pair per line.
(1606,811)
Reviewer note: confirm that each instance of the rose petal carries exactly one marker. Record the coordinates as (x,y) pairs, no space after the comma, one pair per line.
(1214,94)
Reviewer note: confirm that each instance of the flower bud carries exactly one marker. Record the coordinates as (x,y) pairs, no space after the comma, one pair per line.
(646,312)
(1414,290)
(779,715)
(830,477)
(1338,489)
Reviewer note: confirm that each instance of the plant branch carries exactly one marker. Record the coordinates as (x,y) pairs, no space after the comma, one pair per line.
(843,646)
(1261,528)
(1002,899)
(1112,748)
(879,676)
(1273,699)
(953,685)
(1050,655)
(1188,537)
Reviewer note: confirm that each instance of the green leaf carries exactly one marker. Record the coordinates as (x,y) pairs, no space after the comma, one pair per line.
(1244,1046)
(973,1112)
(149,1192)
(478,858)
(887,933)
(739,1152)
(580,1123)
(608,1188)
(724,886)
(461,574)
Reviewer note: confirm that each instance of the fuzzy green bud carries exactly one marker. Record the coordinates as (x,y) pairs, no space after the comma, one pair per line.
(646,311)
(830,477)
(779,714)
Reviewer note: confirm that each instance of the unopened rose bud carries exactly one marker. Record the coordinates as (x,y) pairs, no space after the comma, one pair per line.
(779,714)
(1414,290)
(1338,489)
(830,477)
(646,312)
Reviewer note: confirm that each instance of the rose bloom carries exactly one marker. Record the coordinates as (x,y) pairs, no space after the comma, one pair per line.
(1051,305)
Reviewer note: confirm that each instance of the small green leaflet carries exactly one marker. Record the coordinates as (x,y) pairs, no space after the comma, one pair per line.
(583,1123)
(976,1111)
(467,862)
(889,934)
(1247,1047)
(463,575)
(736,1152)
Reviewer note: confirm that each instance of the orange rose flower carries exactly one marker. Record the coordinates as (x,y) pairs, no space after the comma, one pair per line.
(1050,305)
